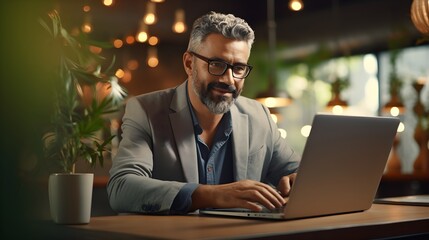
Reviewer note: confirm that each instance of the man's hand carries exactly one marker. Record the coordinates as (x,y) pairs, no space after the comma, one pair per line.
(242,194)
(285,184)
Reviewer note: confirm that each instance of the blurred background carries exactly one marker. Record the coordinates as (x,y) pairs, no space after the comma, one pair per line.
(354,45)
(360,57)
(347,56)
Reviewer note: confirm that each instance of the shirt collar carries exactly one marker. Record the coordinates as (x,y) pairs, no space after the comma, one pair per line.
(198,130)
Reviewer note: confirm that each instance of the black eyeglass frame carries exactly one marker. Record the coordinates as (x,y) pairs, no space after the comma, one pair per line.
(209,61)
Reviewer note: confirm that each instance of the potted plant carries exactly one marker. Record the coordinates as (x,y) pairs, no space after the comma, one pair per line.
(78,118)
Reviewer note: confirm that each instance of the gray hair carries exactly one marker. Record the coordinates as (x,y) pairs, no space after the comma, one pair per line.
(228,25)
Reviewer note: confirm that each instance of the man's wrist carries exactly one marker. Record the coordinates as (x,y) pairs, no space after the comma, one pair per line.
(202,197)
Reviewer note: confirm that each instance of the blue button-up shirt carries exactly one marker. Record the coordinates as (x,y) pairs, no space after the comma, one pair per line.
(214,165)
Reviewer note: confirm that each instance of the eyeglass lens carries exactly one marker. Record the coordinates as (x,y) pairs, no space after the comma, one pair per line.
(219,68)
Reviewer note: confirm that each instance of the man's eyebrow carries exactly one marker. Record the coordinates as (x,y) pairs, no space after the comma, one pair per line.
(218,59)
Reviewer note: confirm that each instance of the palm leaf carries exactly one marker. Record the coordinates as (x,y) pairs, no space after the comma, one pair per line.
(74,129)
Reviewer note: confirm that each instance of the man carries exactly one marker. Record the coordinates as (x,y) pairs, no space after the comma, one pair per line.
(201,144)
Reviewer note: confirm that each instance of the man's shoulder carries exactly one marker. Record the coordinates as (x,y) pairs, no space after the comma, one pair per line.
(245,104)
(157,94)
(258,116)
(151,99)
(161,100)
(161,95)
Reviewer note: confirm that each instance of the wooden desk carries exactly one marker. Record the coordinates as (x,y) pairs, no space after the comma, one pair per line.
(380,221)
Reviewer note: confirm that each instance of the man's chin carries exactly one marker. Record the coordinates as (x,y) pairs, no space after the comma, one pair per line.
(220,106)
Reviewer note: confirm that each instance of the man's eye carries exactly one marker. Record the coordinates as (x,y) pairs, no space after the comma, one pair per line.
(239,68)
(217,64)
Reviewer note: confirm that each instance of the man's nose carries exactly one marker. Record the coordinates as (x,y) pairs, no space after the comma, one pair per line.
(227,77)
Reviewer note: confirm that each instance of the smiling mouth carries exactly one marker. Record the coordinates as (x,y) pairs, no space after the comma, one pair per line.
(222,87)
(223,91)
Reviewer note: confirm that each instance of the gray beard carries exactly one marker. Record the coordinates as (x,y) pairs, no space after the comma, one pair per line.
(217,107)
(220,105)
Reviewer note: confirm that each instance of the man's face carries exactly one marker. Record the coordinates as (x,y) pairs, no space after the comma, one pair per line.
(218,93)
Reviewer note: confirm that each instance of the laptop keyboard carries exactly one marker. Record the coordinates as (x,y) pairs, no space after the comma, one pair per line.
(275,210)
(264,210)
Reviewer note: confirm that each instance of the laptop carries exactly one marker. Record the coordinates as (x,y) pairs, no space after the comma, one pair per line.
(415,200)
(341,167)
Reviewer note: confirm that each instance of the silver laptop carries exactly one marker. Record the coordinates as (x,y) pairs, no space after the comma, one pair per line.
(341,167)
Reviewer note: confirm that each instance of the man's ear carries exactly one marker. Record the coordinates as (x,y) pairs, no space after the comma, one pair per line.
(187,63)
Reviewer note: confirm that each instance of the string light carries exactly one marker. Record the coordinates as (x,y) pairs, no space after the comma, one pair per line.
(95,49)
(153,40)
(133,64)
(86,8)
(296,5)
(120,73)
(118,43)
(127,76)
(130,39)
(152,57)
(305,130)
(142,34)
(179,25)
(150,16)
(86,26)
(108,3)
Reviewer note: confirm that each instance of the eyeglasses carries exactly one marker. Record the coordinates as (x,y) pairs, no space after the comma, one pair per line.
(219,67)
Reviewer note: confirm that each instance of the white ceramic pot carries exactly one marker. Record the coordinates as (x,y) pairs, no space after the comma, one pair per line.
(70,197)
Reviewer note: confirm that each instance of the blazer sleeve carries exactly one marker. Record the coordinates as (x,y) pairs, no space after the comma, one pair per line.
(131,187)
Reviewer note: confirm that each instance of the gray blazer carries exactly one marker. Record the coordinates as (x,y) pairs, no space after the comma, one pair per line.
(157,154)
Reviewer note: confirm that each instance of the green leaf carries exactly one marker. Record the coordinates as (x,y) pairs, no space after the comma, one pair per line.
(75,127)
(46,27)
(85,78)
(112,63)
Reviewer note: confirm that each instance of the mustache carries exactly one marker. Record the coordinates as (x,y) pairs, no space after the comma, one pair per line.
(223,86)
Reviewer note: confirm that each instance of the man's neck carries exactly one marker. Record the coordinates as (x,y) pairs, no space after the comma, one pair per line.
(207,120)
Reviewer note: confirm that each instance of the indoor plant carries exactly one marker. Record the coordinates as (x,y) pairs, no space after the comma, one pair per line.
(78,117)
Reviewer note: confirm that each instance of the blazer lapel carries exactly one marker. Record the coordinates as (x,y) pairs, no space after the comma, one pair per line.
(240,138)
(183,131)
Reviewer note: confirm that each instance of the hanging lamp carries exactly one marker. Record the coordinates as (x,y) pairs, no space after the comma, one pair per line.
(272,97)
